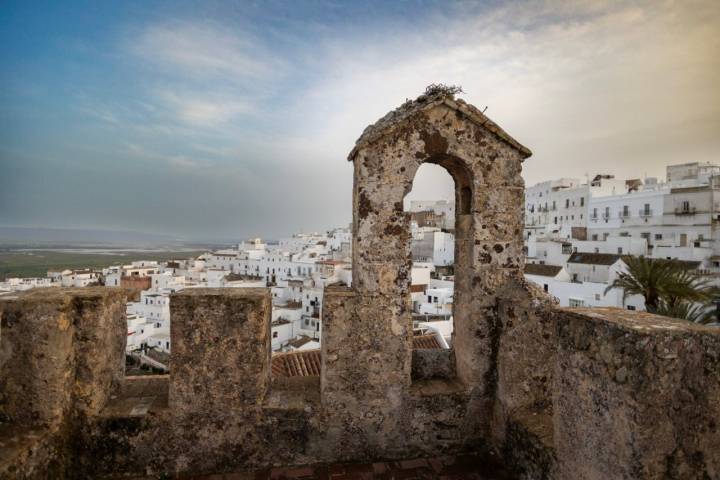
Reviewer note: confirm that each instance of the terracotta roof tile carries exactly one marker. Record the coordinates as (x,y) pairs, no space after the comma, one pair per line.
(305,363)
(426,342)
(593,258)
(542,270)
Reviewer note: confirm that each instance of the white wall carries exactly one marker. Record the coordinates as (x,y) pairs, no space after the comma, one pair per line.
(443,249)
(591,294)
(281,334)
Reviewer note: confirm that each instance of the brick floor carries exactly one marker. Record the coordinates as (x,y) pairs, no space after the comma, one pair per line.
(443,468)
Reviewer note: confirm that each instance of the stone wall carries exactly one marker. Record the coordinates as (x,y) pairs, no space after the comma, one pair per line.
(61,350)
(135,282)
(636,396)
(221,346)
(218,410)
(61,356)
(585,393)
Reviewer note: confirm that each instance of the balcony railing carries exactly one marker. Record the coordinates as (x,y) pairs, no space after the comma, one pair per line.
(685,211)
(645,213)
(605,216)
(623,214)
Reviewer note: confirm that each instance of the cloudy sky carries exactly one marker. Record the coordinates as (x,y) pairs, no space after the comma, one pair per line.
(230,119)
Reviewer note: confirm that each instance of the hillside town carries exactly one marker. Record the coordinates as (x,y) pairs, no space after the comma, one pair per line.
(297,270)
(578,236)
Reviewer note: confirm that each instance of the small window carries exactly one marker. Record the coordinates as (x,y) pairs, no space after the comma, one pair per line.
(631,307)
(545,287)
(275,334)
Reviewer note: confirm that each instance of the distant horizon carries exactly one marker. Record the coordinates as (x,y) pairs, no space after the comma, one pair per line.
(160,237)
(429,176)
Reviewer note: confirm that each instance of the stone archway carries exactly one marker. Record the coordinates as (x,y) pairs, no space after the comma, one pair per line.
(367,344)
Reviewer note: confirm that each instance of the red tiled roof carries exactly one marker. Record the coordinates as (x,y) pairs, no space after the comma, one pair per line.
(305,363)
(425,342)
(542,270)
(332,262)
(593,258)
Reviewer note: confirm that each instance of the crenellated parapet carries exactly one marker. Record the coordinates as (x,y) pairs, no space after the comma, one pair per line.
(61,357)
(583,393)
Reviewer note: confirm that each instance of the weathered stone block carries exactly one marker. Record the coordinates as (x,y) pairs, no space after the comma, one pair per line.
(433,363)
(636,396)
(42,376)
(221,349)
(386,278)
(490,225)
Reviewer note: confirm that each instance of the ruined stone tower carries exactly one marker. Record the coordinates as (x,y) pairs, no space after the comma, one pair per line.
(368,330)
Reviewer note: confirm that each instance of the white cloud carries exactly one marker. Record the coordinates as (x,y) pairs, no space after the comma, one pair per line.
(202,74)
(206,50)
(588,87)
(204,110)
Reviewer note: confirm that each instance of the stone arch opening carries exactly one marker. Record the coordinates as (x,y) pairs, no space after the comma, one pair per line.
(433,223)
(462,177)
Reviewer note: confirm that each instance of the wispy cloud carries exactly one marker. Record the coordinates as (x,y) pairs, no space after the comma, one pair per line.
(203,50)
(202,75)
(265,110)
(574,82)
(182,161)
(203,109)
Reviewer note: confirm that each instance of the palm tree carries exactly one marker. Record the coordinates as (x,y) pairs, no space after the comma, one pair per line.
(657,280)
(692,312)
(684,286)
